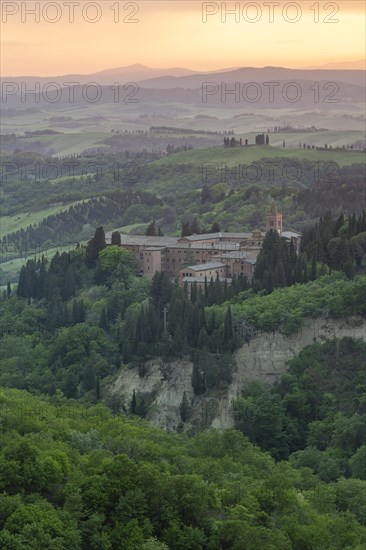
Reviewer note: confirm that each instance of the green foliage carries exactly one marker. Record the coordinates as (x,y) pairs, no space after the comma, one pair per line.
(153,230)
(104,482)
(316,414)
(79,477)
(184,408)
(130,313)
(70,359)
(358,463)
(38,524)
(285,309)
(118,262)
(94,247)
(210,371)
(337,242)
(277,265)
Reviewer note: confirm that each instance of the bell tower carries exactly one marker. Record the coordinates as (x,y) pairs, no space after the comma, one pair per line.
(274,219)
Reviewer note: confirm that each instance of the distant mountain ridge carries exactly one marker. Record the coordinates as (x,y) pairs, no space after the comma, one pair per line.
(348,65)
(252,74)
(132,73)
(179,77)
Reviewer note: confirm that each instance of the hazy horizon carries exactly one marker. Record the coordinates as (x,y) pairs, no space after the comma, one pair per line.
(198,35)
(342,65)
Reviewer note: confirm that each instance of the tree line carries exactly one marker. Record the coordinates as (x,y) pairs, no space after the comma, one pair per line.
(70,223)
(332,243)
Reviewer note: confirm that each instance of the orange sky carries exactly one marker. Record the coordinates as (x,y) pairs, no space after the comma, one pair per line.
(172,33)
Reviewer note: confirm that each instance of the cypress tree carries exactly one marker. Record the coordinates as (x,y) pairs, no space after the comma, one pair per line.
(81,311)
(184,408)
(116,238)
(194,292)
(55,313)
(292,262)
(103,318)
(99,238)
(198,374)
(42,278)
(52,287)
(133,406)
(228,331)
(305,273)
(142,408)
(89,376)
(22,289)
(280,276)
(185,229)
(74,313)
(100,276)
(91,254)
(69,283)
(97,388)
(313,268)
(212,324)
(94,246)
(151,230)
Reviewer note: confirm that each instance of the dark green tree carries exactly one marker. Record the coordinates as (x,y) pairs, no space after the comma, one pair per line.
(184,408)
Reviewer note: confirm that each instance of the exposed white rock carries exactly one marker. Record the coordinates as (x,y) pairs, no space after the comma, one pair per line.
(264,358)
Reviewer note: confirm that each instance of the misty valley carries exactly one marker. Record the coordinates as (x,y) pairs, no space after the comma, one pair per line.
(183,303)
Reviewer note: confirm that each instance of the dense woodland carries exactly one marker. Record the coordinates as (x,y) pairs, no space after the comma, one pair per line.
(77,222)
(81,471)
(333,243)
(316,415)
(135,189)
(78,477)
(291,475)
(97,290)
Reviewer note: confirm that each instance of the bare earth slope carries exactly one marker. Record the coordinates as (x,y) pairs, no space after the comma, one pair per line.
(263,359)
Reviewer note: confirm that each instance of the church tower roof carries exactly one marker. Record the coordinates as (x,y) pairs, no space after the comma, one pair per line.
(274,209)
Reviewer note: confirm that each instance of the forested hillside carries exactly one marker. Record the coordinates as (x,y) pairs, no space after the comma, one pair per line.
(232,188)
(291,475)
(316,414)
(78,477)
(95,294)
